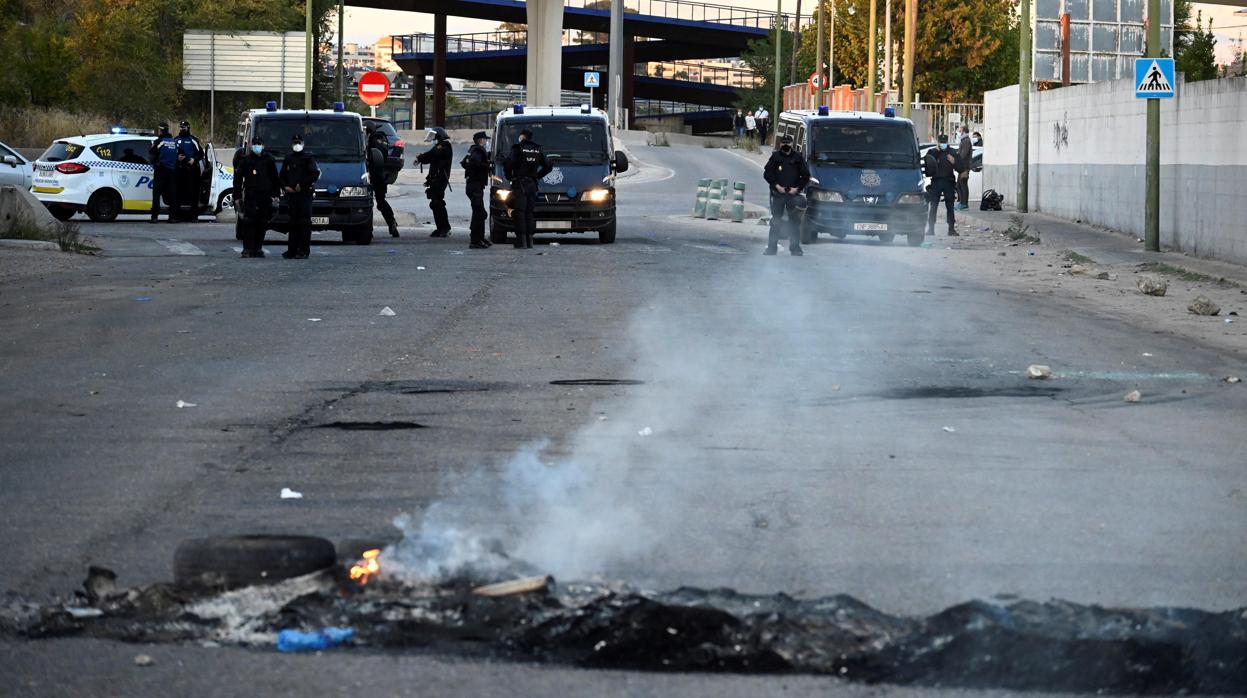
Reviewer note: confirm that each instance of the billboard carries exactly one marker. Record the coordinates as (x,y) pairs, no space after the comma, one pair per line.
(1105,37)
(269,62)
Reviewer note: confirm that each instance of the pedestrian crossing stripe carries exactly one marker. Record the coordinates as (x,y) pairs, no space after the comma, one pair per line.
(1153,78)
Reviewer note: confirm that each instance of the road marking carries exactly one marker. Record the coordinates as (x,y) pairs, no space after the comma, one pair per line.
(749,160)
(717,249)
(183,248)
(642,178)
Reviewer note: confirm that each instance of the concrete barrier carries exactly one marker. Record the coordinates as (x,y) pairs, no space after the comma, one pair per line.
(738,202)
(21,211)
(703,193)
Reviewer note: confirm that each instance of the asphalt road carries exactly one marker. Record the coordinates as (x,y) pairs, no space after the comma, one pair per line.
(848,422)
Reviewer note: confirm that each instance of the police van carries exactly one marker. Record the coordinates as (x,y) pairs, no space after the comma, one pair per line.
(865,174)
(108,174)
(342,199)
(579,193)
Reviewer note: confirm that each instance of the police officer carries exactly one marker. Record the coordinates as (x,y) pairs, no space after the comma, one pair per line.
(524,166)
(189,161)
(787,174)
(164,158)
(965,154)
(259,181)
(941,164)
(299,173)
(438,159)
(240,217)
(377,140)
(476,168)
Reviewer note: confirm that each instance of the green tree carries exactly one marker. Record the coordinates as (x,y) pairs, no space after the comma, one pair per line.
(1198,59)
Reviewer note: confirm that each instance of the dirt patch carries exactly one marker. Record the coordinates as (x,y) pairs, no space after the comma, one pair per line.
(371,426)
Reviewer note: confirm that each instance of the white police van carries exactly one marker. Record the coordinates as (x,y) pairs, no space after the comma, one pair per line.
(108,174)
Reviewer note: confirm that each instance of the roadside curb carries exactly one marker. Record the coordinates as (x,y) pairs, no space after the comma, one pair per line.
(31,245)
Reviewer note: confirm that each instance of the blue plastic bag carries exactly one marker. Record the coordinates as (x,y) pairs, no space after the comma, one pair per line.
(299,641)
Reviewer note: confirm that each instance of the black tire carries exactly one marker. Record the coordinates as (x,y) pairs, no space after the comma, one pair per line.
(231,562)
(809,234)
(915,239)
(886,238)
(61,213)
(104,206)
(225,200)
(497,233)
(606,235)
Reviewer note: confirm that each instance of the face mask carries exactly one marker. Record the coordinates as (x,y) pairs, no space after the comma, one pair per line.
(297,147)
(786,148)
(257,149)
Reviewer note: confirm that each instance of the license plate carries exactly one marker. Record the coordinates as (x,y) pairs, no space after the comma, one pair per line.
(870,226)
(553,225)
(320,220)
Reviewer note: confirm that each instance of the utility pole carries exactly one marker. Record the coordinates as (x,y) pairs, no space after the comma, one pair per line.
(307,69)
(796,46)
(907,77)
(831,47)
(870,53)
(1024,107)
(338,73)
(779,44)
(1151,221)
(818,57)
(614,69)
(887,47)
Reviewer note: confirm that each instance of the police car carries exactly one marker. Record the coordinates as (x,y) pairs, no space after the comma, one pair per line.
(108,174)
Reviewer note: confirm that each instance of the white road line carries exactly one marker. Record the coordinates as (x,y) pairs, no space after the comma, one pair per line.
(642,178)
(717,249)
(183,248)
(749,160)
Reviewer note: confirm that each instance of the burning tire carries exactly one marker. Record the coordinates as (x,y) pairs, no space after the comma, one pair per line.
(230,562)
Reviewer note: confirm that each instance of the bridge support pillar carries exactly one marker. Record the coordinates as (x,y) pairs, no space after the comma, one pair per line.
(545,51)
(629,79)
(439,70)
(417,99)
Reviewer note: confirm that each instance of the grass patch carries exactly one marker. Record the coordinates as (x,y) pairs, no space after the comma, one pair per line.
(36,127)
(66,235)
(748,144)
(1019,231)
(1075,258)
(1183,274)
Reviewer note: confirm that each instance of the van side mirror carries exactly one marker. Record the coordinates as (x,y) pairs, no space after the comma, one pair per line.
(10,160)
(621,161)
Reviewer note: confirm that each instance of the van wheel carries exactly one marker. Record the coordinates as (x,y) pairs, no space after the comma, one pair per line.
(915,239)
(61,213)
(225,201)
(886,238)
(606,235)
(103,206)
(809,234)
(497,233)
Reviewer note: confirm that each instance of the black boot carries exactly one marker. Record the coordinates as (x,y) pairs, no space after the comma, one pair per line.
(393,229)
(528,241)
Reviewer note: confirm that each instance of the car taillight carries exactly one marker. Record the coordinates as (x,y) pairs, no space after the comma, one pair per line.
(399,143)
(72,168)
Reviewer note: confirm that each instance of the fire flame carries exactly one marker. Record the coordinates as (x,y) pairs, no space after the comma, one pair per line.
(367,567)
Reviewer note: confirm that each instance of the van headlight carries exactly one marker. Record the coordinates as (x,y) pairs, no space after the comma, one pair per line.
(502,194)
(911,198)
(353,191)
(597,196)
(824,195)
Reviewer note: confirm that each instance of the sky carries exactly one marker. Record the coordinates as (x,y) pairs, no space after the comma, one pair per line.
(366,25)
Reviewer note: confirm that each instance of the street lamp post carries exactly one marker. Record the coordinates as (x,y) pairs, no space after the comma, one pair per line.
(872,38)
(307,69)
(338,72)
(818,57)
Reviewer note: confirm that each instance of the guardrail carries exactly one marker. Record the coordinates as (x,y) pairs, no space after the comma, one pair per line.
(693,11)
(700,72)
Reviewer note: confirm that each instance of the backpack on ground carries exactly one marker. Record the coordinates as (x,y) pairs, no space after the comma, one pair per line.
(991,200)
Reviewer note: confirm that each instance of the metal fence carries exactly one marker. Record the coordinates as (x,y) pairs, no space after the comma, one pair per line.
(692,11)
(700,72)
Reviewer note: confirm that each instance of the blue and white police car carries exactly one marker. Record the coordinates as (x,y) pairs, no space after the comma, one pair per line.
(105,175)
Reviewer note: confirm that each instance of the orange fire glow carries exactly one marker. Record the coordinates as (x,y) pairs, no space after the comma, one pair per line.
(367,567)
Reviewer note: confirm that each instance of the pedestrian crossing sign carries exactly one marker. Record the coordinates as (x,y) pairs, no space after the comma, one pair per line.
(1153,78)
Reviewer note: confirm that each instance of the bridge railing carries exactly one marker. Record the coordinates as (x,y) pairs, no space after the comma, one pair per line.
(692,11)
(705,73)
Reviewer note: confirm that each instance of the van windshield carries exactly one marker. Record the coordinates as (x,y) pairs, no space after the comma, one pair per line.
(568,142)
(857,144)
(328,139)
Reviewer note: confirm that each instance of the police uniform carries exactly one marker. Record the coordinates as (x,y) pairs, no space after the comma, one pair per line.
(941,165)
(299,173)
(164,157)
(188,175)
(476,167)
(525,165)
(377,140)
(259,181)
(785,171)
(438,159)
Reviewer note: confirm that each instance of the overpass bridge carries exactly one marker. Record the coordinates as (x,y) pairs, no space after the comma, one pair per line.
(654,30)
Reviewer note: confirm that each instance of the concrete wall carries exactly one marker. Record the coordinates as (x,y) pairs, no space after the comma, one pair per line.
(1088,155)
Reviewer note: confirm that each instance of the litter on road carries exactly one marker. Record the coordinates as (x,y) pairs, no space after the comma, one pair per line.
(387,312)
(523,585)
(1038,372)
(1133,396)
(313,319)
(143,299)
(181,404)
(299,641)
(287,493)
(1152,285)
(950,430)
(1233,379)
(1203,305)
(143,660)
(419,268)
(645,432)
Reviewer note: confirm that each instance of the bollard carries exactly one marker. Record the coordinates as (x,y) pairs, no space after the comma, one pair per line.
(714,202)
(703,191)
(738,202)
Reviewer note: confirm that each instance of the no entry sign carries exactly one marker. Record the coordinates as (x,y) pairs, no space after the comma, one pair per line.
(373,88)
